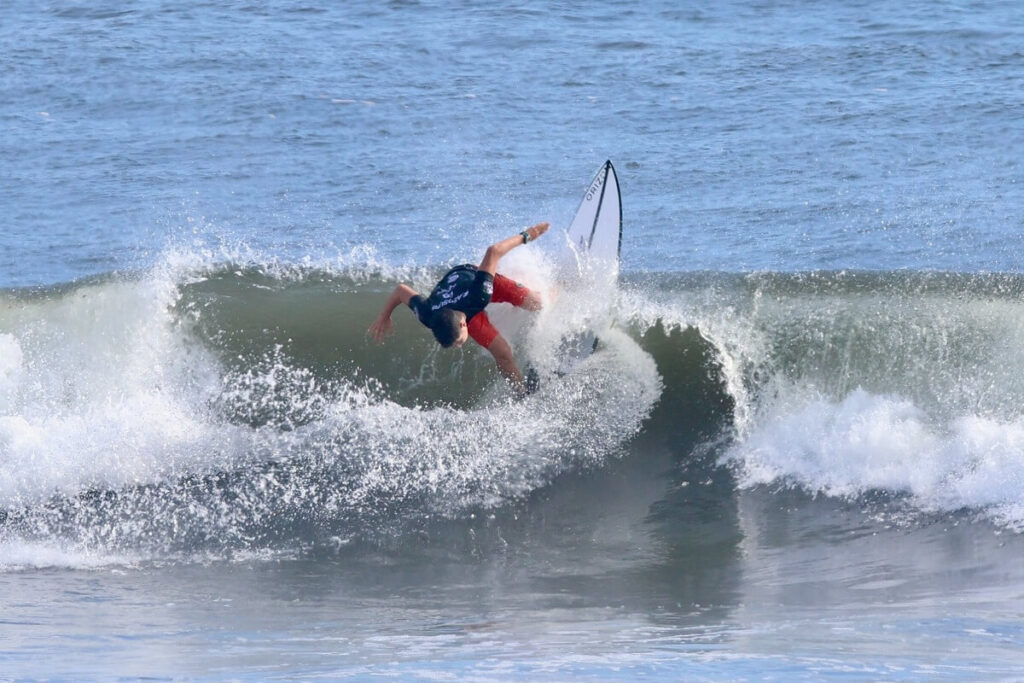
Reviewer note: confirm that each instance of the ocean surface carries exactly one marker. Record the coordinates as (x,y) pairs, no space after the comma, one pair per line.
(799,454)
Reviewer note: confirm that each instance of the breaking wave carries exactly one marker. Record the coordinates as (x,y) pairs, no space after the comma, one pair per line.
(214,407)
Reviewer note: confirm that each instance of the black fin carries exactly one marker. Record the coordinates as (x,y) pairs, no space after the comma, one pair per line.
(532,381)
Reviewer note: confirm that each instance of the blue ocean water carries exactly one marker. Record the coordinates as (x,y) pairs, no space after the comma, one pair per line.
(752,136)
(801,456)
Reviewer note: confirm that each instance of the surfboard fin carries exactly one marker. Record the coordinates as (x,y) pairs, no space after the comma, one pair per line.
(532,381)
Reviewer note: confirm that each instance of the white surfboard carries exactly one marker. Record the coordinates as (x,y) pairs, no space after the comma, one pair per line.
(594,241)
(595,234)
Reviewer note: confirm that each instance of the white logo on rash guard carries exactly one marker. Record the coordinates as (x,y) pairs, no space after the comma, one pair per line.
(488,288)
(448,302)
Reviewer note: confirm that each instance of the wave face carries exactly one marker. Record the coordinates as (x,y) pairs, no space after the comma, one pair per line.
(236,407)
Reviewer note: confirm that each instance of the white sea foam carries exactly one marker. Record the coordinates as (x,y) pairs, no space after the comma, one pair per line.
(18,555)
(104,386)
(100,389)
(868,442)
(11,359)
(498,451)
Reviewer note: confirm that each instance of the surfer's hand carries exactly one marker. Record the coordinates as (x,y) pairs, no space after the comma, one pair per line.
(381,328)
(539,229)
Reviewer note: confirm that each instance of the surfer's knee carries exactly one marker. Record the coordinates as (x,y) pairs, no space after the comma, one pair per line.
(533,301)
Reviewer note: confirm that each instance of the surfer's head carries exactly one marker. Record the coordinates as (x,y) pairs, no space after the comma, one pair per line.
(449,328)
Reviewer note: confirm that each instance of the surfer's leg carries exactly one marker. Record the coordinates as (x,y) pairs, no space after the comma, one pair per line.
(481,329)
(507,290)
(533,301)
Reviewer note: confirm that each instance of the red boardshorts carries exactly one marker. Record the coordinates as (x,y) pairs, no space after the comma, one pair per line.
(507,291)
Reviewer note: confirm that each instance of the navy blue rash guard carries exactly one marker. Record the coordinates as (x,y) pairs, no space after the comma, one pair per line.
(463,288)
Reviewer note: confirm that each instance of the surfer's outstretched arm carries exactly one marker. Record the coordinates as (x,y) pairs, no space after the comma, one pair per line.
(383,326)
(499,249)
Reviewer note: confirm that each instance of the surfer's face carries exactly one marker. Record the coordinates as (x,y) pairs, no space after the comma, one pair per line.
(463,335)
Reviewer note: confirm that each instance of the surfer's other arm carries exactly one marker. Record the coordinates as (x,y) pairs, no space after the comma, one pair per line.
(499,249)
(383,326)
(506,362)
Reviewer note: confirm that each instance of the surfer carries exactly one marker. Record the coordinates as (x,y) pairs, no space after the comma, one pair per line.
(454,311)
